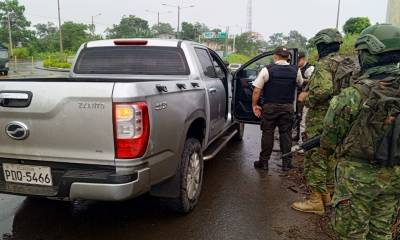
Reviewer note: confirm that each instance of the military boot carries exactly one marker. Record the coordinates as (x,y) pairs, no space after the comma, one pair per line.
(313,205)
(327,198)
(286,165)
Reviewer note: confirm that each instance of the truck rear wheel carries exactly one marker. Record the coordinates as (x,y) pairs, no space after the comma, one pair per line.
(191,179)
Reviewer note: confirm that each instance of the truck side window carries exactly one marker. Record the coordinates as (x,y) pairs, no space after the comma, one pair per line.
(206,63)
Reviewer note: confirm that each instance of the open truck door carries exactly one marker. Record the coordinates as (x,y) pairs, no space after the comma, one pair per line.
(243,85)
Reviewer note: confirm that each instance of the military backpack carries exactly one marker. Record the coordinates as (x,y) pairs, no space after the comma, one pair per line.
(374,136)
(344,74)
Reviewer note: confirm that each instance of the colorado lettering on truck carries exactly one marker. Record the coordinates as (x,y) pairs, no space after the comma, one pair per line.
(135,116)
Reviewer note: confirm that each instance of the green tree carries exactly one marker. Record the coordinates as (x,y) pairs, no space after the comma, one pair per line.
(47,38)
(249,44)
(163,28)
(296,40)
(19,24)
(277,39)
(130,27)
(201,28)
(356,25)
(74,34)
(188,31)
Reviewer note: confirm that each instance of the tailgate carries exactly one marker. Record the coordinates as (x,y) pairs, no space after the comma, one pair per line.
(66,122)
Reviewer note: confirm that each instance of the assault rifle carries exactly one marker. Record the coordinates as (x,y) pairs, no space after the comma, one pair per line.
(306,146)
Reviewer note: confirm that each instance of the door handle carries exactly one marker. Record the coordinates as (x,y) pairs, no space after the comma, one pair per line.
(15,99)
(213,90)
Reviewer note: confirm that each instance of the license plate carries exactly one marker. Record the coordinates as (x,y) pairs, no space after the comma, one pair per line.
(25,174)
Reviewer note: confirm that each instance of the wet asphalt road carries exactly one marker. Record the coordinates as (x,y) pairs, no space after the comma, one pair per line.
(237,202)
(25,69)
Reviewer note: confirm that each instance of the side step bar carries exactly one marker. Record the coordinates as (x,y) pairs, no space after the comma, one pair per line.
(218,145)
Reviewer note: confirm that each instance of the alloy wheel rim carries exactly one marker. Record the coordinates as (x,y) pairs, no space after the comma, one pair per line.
(193,176)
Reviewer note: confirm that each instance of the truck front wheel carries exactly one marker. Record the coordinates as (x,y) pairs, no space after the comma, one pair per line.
(191,180)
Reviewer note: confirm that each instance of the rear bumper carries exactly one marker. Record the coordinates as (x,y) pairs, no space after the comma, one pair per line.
(111,192)
(81,182)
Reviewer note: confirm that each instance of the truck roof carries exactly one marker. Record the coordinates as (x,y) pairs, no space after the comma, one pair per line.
(150,42)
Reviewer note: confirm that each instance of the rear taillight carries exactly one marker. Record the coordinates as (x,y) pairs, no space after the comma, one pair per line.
(131,129)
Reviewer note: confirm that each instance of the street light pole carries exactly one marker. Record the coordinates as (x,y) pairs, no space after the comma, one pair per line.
(60,29)
(338,15)
(10,34)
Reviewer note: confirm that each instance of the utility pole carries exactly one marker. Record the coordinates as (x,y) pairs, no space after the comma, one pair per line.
(179,7)
(179,22)
(10,34)
(93,26)
(60,29)
(338,15)
(226,41)
(158,13)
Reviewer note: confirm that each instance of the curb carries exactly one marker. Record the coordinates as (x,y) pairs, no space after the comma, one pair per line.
(54,69)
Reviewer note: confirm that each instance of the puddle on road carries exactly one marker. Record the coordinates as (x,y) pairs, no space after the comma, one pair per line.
(8,207)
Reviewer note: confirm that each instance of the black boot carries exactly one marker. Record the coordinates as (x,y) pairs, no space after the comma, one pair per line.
(263,165)
(286,165)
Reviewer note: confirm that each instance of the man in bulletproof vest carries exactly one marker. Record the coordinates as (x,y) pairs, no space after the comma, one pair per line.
(277,83)
(306,71)
(318,167)
(362,126)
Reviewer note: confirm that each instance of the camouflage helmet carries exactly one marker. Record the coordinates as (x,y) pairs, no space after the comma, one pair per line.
(327,36)
(380,38)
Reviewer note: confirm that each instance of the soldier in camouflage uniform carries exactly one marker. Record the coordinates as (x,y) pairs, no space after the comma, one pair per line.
(362,126)
(318,167)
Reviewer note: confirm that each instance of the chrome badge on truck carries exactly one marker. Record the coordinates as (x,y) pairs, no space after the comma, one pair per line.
(17,130)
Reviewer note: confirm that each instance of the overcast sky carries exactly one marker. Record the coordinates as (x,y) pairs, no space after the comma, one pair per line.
(269,16)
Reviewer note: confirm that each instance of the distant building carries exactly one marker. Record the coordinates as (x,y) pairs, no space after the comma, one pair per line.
(393,12)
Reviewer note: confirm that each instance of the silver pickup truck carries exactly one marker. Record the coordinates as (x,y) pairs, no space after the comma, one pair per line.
(135,116)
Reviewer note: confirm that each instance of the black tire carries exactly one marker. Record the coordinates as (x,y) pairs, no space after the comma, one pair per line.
(185,203)
(6,73)
(239,136)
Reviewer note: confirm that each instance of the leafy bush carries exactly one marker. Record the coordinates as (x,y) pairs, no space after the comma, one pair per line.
(237,58)
(56,63)
(21,53)
(52,55)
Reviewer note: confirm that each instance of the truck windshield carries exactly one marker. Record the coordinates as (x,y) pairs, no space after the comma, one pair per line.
(132,60)
(3,54)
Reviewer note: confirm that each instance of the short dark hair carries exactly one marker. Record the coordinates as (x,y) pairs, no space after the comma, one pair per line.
(302,54)
(282,51)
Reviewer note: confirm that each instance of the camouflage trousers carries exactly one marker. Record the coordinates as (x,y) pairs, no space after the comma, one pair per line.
(319,170)
(366,200)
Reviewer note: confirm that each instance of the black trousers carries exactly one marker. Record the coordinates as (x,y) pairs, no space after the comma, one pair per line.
(281,116)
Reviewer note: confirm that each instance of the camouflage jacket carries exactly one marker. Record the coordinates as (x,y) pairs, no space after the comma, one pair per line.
(320,91)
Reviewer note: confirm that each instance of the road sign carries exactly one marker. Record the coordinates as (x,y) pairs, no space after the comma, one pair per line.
(222,35)
(214,35)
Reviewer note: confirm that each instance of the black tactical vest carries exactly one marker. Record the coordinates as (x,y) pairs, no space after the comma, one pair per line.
(282,84)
